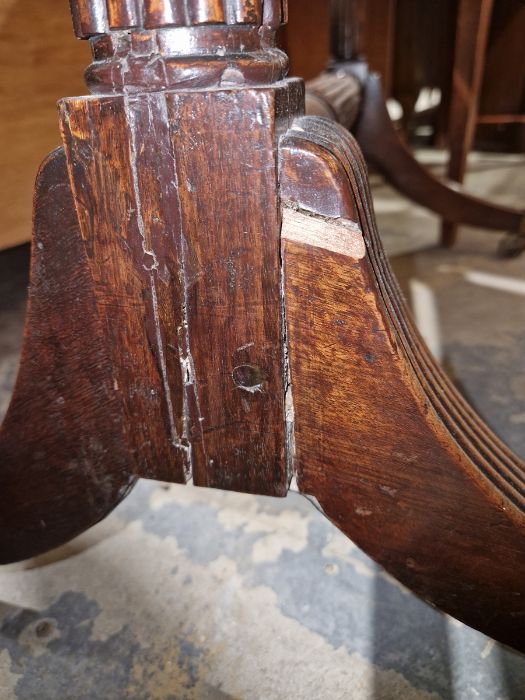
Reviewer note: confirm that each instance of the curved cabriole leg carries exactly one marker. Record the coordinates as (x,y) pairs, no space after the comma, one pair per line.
(392,453)
(384,149)
(63,463)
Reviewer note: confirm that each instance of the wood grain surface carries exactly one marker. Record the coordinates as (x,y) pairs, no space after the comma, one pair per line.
(64,461)
(387,446)
(472,35)
(176,332)
(178,206)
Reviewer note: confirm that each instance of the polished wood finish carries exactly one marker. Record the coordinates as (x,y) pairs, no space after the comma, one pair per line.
(201,380)
(383,441)
(189,291)
(133,376)
(92,17)
(210,301)
(63,459)
(338,96)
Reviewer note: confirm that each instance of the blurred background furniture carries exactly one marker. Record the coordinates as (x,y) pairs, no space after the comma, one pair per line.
(364,111)
(473,28)
(411,44)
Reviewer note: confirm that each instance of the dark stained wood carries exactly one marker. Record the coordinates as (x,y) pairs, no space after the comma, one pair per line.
(306,39)
(131,279)
(89,17)
(63,457)
(352,95)
(379,36)
(384,443)
(500,119)
(153,355)
(92,17)
(348,18)
(423,55)
(50,65)
(230,219)
(189,56)
(159,13)
(504,97)
(193,248)
(340,96)
(123,14)
(177,198)
(365,29)
(177,331)
(358,103)
(385,150)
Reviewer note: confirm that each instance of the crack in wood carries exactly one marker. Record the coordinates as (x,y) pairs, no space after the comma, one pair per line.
(149,253)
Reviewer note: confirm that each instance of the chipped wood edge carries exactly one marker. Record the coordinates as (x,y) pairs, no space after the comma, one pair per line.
(340,236)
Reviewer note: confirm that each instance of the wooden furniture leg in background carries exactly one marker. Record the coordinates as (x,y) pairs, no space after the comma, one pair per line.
(355,99)
(384,148)
(472,32)
(211,304)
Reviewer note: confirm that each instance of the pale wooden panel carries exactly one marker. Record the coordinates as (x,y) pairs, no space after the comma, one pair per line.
(40,61)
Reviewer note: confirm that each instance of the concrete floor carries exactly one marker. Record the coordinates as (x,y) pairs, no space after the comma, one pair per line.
(188,594)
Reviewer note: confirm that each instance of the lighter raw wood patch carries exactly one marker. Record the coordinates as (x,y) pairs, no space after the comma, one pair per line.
(337,235)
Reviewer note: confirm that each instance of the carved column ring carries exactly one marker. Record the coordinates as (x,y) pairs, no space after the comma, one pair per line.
(183,57)
(179,41)
(92,17)
(151,45)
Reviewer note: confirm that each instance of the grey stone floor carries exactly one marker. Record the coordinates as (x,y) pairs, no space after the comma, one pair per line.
(184,593)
